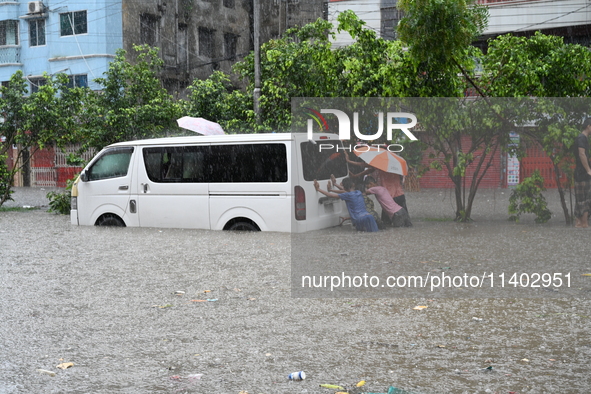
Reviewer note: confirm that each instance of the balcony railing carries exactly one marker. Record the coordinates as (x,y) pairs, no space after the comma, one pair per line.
(10,54)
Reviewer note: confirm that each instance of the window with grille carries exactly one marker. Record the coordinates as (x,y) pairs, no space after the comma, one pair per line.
(72,23)
(37,32)
(230,41)
(8,32)
(77,81)
(206,42)
(36,83)
(148,29)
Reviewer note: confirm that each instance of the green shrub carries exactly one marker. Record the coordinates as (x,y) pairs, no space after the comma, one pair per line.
(59,202)
(527,198)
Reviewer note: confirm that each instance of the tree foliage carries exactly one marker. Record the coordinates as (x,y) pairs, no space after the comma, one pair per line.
(544,66)
(132,104)
(216,99)
(300,64)
(537,66)
(47,117)
(439,34)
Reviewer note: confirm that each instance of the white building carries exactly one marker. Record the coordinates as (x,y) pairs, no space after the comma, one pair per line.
(568,18)
(382,16)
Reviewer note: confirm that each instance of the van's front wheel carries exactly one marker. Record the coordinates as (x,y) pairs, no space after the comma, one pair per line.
(243,226)
(110,219)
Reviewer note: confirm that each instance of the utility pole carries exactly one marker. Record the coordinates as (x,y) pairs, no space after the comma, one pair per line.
(256,95)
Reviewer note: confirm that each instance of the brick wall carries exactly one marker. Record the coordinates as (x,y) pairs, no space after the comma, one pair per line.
(440,179)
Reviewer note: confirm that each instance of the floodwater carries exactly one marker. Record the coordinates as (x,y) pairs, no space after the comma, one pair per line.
(183,311)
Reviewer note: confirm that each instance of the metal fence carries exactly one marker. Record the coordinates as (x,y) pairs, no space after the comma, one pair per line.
(59,171)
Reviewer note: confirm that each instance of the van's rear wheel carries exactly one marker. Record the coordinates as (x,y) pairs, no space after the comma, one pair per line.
(110,219)
(243,226)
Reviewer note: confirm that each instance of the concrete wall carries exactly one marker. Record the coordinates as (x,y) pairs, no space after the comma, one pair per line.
(179,23)
(175,27)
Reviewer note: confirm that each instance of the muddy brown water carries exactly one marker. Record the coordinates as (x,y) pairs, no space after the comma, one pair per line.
(168,310)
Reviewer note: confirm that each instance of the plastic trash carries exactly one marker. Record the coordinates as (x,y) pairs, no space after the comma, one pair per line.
(46,372)
(300,375)
(394,390)
(332,386)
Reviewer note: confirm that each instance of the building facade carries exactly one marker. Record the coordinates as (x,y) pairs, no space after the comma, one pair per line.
(80,38)
(195,37)
(570,19)
(51,37)
(567,18)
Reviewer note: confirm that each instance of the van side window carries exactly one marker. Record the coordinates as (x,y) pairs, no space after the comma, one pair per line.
(176,164)
(112,164)
(321,164)
(243,163)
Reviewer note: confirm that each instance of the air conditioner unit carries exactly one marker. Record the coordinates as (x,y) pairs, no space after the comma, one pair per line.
(35,7)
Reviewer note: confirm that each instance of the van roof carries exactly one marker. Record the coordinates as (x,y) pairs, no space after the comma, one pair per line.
(200,139)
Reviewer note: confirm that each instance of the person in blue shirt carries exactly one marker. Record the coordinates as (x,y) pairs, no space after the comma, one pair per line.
(361,219)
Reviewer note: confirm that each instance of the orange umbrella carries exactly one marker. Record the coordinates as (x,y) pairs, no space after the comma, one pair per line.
(382,159)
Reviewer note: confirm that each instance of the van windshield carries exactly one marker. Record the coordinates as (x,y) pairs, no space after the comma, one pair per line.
(321,163)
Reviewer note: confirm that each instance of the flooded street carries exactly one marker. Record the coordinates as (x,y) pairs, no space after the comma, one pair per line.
(189,311)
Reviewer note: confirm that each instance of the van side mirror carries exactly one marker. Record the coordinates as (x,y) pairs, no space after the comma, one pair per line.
(84,176)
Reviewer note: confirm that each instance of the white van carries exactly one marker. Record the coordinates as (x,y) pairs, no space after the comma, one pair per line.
(229,182)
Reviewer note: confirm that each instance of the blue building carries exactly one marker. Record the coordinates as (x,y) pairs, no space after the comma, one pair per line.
(78,38)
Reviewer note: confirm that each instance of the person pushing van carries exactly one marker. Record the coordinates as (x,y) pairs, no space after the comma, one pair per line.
(397,215)
(362,220)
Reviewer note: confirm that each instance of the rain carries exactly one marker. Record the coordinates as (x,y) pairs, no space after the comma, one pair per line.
(94,309)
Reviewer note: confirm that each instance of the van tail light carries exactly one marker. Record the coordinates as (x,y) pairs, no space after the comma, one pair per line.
(300,203)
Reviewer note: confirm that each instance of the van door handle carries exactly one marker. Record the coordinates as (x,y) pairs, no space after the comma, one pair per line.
(145,186)
(123,187)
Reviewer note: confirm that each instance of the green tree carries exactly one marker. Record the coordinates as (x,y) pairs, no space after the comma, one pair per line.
(439,34)
(370,66)
(12,129)
(48,117)
(303,63)
(132,103)
(465,135)
(543,66)
(217,100)
(300,64)
(440,62)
